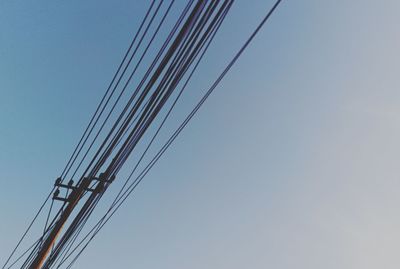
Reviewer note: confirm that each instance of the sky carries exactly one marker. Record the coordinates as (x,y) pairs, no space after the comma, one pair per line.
(291,163)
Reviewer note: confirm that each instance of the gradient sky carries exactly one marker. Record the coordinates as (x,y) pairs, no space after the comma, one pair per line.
(292,163)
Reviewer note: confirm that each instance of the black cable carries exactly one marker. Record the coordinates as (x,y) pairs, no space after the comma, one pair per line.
(164,145)
(72,229)
(194,111)
(150,43)
(49,195)
(142,38)
(48,216)
(146,76)
(174,103)
(105,94)
(151,82)
(166,87)
(184,86)
(29,227)
(36,245)
(158,99)
(154,108)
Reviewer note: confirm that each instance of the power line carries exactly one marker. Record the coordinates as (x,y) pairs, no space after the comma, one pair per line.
(174,64)
(183,125)
(72,158)
(97,226)
(158,98)
(28,228)
(81,139)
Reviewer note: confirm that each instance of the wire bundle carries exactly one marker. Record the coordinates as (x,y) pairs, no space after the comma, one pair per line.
(144,113)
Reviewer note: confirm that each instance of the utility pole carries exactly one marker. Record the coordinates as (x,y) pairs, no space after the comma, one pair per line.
(71,201)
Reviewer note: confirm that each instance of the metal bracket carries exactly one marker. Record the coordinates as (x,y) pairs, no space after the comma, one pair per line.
(69,186)
(60,199)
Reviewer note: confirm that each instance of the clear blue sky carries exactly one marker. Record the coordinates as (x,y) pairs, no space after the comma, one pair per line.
(293,162)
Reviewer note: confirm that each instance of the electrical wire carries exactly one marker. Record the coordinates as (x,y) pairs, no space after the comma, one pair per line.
(190,116)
